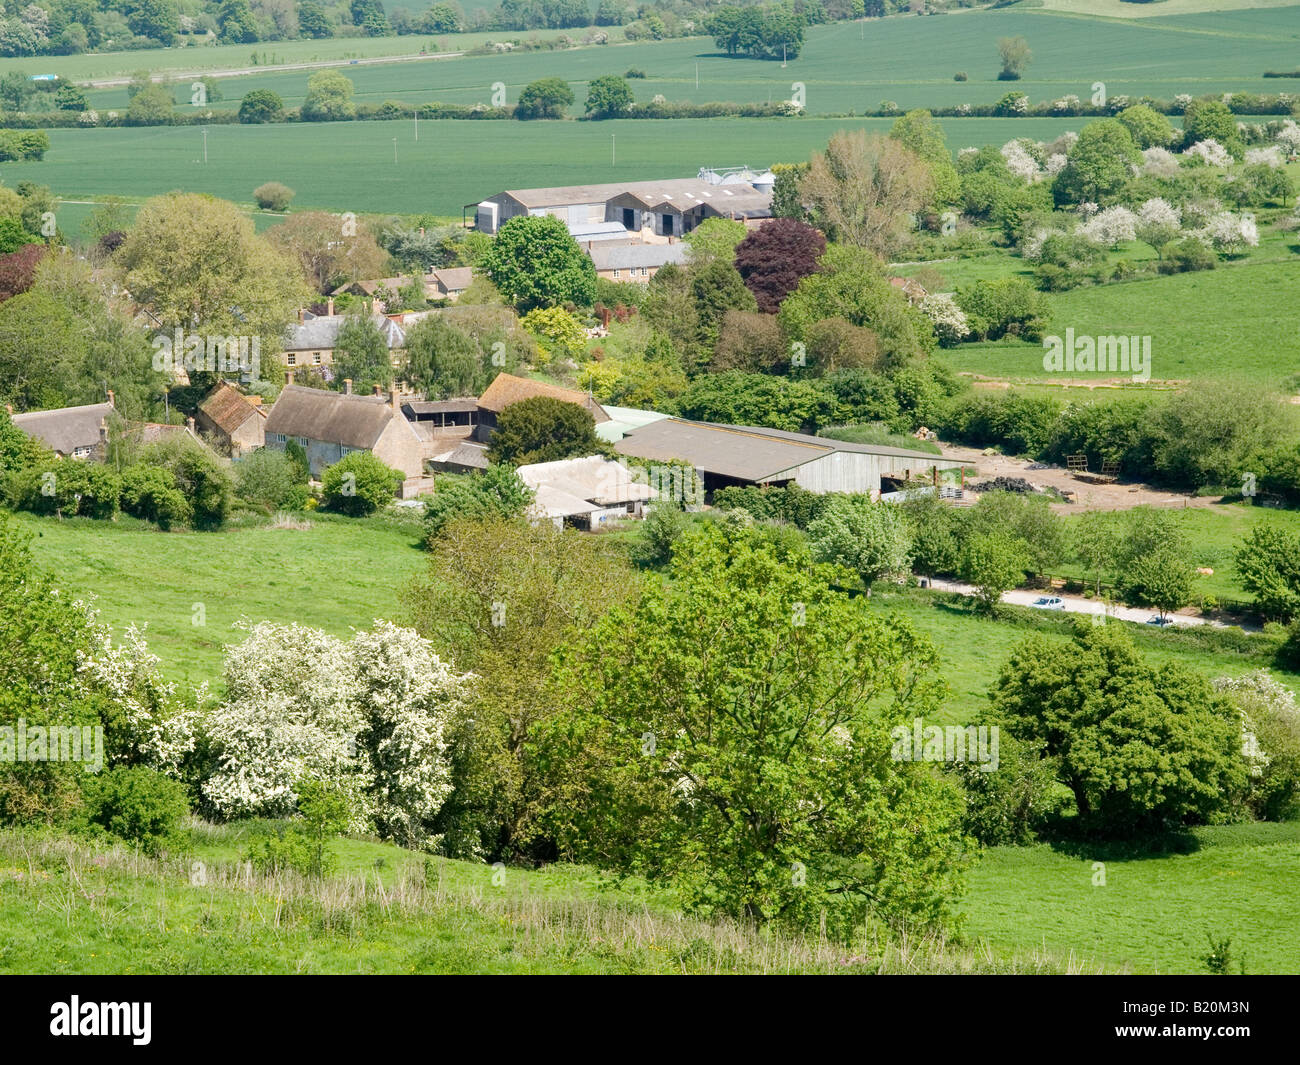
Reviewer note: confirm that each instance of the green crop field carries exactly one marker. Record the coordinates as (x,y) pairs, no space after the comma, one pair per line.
(349,165)
(854,66)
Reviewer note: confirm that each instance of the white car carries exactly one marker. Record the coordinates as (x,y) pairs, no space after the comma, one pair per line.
(1049,602)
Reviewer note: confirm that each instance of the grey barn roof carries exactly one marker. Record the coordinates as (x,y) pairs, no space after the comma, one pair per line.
(331,417)
(629,256)
(322,331)
(746,452)
(66,429)
(678,193)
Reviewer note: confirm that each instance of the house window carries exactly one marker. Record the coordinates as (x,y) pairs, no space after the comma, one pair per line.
(641,271)
(82,452)
(616,274)
(302,441)
(275,438)
(291,359)
(315,359)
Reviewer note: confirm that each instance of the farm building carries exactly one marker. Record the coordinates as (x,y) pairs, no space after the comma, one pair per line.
(744,454)
(506,389)
(634,262)
(70,432)
(585,491)
(330,425)
(624,420)
(665,208)
(234,420)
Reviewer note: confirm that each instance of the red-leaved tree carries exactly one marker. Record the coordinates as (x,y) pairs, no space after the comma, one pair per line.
(774,258)
(18,270)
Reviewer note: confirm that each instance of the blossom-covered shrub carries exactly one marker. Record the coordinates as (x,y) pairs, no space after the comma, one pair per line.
(949,321)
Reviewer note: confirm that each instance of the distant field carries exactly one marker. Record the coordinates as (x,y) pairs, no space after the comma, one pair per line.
(349,165)
(1193,337)
(845,66)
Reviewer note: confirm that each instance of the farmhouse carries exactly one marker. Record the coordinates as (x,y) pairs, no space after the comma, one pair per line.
(311,341)
(634,262)
(748,455)
(234,420)
(664,208)
(445,284)
(70,432)
(585,491)
(330,425)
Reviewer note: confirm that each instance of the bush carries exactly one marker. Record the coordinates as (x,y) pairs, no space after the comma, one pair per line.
(66,487)
(1187,255)
(273,196)
(138,805)
(959,76)
(151,493)
(198,475)
(662,528)
(270,478)
(359,483)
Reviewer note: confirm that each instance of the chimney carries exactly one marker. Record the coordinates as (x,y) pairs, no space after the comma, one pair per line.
(395,398)
(329,306)
(347,386)
(379,390)
(112,402)
(300,316)
(189,424)
(288,377)
(103,432)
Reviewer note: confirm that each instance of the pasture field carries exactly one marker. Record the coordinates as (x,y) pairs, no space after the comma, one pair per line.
(336,575)
(1238,321)
(341,574)
(348,166)
(1155,911)
(849,67)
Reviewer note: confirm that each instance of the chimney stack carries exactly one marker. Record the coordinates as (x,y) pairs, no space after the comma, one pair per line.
(379,390)
(347,386)
(288,377)
(395,398)
(103,432)
(189,424)
(300,314)
(329,306)
(112,402)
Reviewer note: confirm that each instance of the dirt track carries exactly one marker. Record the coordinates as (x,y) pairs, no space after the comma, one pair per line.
(1086,496)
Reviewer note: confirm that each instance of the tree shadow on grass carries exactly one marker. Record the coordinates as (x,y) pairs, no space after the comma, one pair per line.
(1066,838)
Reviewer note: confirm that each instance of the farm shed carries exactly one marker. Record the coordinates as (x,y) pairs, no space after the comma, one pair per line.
(745,454)
(586,491)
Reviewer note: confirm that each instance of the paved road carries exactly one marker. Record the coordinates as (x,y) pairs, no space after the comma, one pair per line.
(235,72)
(1077,604)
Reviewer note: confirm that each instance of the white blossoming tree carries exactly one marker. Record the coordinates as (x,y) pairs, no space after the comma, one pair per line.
(1158,223)
(1270,156)
(1159,162)
(366,715)
(1270,742)
(1210,150)
(1021,162)
(149,722)
(948,319)
(1231,233)
(1288,137)
(1111,227)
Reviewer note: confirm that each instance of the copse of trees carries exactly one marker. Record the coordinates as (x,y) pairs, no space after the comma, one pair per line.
(758,32)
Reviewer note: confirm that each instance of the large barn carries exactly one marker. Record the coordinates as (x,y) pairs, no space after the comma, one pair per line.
(750,455)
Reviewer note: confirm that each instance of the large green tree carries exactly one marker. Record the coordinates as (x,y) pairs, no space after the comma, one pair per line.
(543,429)
(730,735)
(871,539)
(608,96)
(1142,749)
(1099,164)
(544,98)
(536,262)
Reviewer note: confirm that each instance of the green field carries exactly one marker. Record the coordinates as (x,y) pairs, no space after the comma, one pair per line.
(337,575)
(348,166)
(852,67)
(67,908)
(1154,913)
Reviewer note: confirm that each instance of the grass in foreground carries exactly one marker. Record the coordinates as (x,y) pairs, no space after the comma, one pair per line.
(69,907)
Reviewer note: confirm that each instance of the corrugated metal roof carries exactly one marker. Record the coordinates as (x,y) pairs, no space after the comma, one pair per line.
(746,452)
(591,477)
(629,256)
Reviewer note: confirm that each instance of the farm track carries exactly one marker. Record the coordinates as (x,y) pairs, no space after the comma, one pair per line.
(279,68)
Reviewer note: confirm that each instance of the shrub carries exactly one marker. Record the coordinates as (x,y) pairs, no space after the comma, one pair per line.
(138,805)
(273,196)
(151,493)
(359,483)
(496,491)
(66,487)
(270,478)
(198,475)
(959,76)
(662,528)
